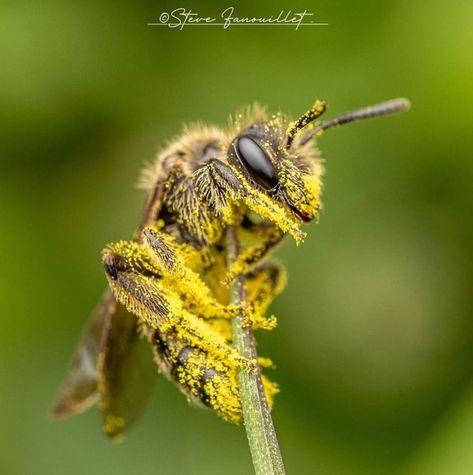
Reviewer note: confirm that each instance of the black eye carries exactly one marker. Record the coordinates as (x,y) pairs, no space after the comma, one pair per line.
(256,162)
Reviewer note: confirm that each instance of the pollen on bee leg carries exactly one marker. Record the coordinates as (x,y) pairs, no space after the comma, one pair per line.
(247,321)
(266,323)
(249,366)
(253,317)
(265,362)
(113,426)
(299,237)
(160,248)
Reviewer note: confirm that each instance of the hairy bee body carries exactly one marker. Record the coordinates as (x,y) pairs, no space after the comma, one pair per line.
(205,188)
(194,212)
(262,177)
(203,378)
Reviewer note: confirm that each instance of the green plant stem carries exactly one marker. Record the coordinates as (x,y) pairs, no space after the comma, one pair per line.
(262,439)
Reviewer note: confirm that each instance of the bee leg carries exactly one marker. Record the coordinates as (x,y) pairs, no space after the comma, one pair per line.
(172,257)
(262,284)
(217,175)
(137,283)
(268,238)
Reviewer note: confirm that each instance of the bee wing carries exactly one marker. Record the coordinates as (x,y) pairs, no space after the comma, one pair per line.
(112,365)
(79,390)
(126,372)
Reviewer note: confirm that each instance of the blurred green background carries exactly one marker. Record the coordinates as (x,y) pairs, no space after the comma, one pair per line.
(374,347)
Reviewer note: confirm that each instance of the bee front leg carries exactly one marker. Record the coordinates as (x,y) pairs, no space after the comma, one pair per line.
(262,285)
(172,258)
(268,237)
(217,175)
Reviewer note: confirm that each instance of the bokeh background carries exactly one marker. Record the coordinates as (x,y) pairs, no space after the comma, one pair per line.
(374,347)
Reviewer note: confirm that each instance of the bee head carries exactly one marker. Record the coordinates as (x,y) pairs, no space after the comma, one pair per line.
(277,159)
(271,164)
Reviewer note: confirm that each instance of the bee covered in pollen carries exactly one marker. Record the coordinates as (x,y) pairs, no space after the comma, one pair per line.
(168,286)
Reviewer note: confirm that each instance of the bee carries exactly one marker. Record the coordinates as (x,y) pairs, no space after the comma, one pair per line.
(168,285)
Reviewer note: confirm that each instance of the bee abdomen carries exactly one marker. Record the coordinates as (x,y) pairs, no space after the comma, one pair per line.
(203,377)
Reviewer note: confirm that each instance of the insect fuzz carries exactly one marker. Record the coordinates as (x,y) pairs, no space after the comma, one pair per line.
(173,276)
(262,175)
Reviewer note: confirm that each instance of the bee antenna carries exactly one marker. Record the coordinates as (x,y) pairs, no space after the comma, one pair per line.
(296,126)
(384,108)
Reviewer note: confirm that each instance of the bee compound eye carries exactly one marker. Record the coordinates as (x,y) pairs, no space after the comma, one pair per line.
(256,162)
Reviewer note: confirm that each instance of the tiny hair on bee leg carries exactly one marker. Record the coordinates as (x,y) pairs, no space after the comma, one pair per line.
(226,175)
(147,295)
(187,282)
(161,249)
(239,190)
(217,185)
(139,292)
(269,238)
